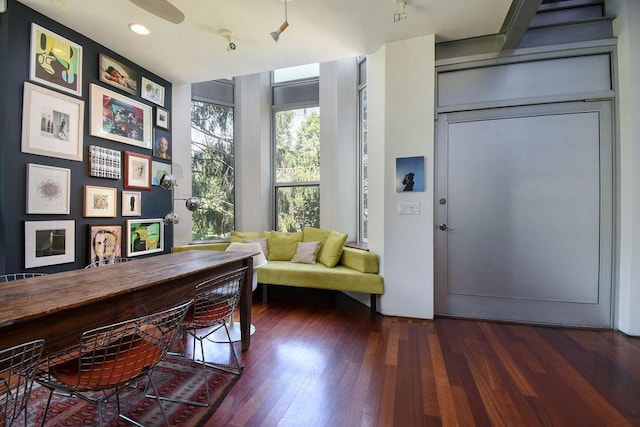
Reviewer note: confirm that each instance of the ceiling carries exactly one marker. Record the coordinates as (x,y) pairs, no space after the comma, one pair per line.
(319,30)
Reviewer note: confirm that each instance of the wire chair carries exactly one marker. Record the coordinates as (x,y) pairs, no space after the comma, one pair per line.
(112,357)
(100,263)
(215,301)
(18,276)
(18,367)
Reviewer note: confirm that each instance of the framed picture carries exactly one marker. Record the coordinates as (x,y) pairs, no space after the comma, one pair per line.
(131,203)
(118,118)
(158,170)
(48,243)
(52,123)
(144,236)
(161,144)
(162,118)
(105,243)
(55,61)
(48,189)
(137,171)
(104,162)
(409,174)
(152,91)
(100,201)
(118,75)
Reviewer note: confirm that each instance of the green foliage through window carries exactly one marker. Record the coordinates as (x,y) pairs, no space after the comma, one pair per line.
(297,168)
(213,170)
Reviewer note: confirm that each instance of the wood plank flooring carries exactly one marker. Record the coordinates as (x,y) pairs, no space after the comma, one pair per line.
(319,359)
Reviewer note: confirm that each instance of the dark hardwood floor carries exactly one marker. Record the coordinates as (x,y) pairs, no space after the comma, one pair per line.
(319,359)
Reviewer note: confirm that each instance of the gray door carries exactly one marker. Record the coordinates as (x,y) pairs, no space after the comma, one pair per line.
(524,223)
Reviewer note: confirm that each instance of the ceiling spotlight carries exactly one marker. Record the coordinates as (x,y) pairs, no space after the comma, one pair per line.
(399,16)
(227,34)
(285,24)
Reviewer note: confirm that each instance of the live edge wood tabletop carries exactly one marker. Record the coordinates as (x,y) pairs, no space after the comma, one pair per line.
(60,307)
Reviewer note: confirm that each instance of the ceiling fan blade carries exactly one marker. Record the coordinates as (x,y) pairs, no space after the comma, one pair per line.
(162,9)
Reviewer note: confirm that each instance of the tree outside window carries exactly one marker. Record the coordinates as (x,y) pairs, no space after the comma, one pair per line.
(213,170)
(297,168)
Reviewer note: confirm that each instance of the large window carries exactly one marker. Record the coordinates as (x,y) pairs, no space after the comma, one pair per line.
(296,140)
(213,175)
(297,168)
(363,208)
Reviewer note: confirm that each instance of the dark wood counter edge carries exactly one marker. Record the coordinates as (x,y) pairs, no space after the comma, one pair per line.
(33,306)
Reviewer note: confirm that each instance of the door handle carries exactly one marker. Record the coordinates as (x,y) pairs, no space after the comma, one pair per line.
(444,227)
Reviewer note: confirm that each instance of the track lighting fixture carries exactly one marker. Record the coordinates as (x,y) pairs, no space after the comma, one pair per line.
(285,24)
(227,34)
(399,16)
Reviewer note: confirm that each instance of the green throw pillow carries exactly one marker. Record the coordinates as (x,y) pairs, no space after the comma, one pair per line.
(312,234)
(283,245)
(332,249)
(240,237)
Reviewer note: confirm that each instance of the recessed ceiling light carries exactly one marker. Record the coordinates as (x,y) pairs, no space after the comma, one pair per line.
(139,29)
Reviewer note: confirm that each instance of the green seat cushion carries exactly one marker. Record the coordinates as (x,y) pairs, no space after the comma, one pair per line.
(283,245)
(331,249)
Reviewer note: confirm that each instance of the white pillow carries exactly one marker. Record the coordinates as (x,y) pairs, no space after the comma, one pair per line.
(263,243)
(307,252)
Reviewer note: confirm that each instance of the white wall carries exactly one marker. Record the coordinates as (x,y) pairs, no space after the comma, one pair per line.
(628,32)
(338,146)
(400,98)
(181,161)
(253,152)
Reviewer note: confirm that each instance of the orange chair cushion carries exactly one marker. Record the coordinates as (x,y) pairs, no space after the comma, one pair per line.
(109,370)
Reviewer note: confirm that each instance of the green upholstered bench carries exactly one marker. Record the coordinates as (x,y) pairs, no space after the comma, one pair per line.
(356,271)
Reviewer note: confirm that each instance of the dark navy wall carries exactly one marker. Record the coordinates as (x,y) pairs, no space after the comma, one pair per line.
(15,30)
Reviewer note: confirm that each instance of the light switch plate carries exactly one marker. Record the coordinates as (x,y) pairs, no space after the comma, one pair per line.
(409,208)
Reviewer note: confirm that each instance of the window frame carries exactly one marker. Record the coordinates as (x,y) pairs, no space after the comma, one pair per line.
(362,210)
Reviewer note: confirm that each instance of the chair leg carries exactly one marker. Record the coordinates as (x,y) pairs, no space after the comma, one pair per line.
(46,408)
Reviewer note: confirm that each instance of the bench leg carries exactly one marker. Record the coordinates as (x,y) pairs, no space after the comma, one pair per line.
(264,293)
(372,306)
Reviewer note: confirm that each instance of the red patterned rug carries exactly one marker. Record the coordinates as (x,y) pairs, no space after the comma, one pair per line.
(174,377)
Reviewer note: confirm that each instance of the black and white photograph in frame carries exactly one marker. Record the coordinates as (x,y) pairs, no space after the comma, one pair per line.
(48,243)
(162,118)
(152,91)
(52,123)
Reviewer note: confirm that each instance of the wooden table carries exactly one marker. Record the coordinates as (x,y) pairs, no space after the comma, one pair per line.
(60,307)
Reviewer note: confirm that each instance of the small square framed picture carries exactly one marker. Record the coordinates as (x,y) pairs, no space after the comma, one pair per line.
(131,203)
(162,118)
(100,201)
(137,171)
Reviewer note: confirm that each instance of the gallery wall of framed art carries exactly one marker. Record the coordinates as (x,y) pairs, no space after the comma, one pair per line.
(69,123)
